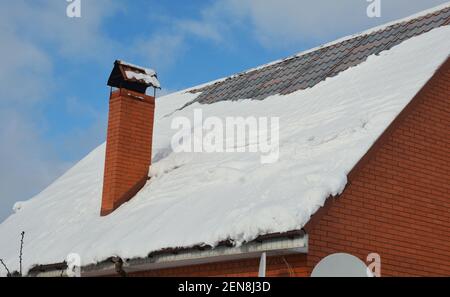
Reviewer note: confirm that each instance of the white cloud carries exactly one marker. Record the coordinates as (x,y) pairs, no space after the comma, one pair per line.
(46,21)
(171,41)
(27,161)
(275,24)
(32,32)
(198,28)
(283,23)
(161,50)
(25,73)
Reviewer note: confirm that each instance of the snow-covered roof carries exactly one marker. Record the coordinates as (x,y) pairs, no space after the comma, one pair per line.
(205,198)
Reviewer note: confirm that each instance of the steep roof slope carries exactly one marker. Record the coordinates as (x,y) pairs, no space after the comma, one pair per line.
(205,198)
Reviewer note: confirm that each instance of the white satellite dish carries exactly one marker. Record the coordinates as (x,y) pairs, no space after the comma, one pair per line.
(341,265)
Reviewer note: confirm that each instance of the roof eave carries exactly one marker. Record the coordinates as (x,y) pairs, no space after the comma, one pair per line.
(277,246)
(274,244)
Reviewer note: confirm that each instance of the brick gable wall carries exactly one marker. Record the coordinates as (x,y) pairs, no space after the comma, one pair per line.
(397,202)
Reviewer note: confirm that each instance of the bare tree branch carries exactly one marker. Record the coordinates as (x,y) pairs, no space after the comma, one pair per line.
(6,267)
(21,252)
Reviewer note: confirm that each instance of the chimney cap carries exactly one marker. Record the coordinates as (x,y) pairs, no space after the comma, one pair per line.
(132,77)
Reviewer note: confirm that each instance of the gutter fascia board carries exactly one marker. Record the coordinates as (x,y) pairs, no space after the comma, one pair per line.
(272,247)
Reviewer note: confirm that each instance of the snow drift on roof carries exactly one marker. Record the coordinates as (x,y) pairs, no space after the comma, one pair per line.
(204,198)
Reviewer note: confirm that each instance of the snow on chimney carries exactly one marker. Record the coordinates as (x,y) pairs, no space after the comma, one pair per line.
(130,131)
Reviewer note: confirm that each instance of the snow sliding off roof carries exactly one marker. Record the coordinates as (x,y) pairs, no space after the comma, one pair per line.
(205,198)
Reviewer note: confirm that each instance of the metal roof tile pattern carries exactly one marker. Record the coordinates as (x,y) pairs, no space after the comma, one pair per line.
(307,70)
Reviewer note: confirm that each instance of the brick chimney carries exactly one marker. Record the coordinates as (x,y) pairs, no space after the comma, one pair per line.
(129,137)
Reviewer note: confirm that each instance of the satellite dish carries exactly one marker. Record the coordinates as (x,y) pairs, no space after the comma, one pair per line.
(341,265)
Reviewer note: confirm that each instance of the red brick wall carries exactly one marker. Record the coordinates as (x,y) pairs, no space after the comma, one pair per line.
(128,147)
(397,202)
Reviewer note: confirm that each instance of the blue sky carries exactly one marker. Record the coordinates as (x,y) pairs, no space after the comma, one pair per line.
(54,69)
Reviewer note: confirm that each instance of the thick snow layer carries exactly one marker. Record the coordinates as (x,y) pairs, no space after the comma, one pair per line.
(146,70)
(203,198)
(149,75)
(149,79)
